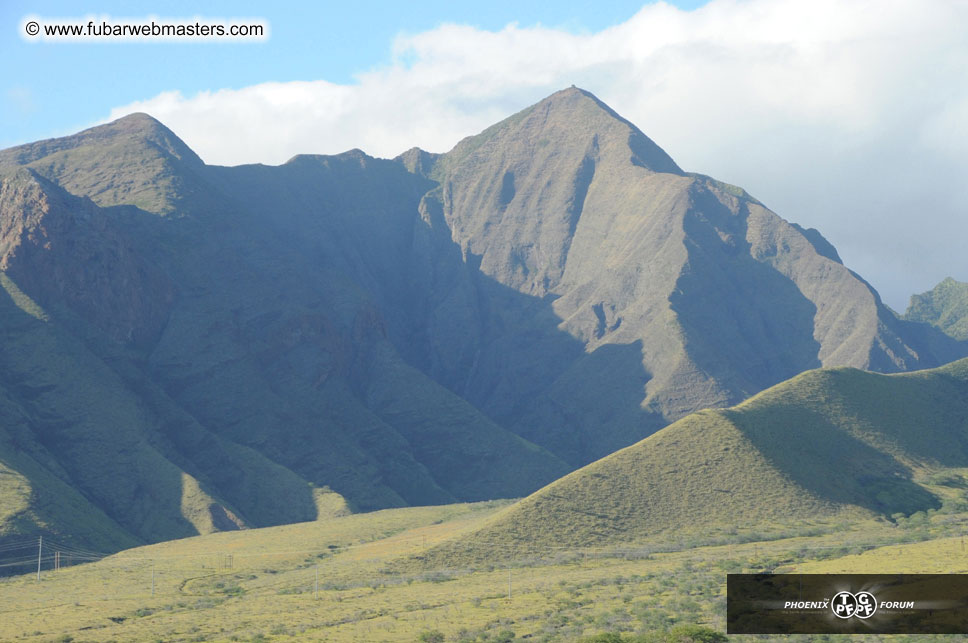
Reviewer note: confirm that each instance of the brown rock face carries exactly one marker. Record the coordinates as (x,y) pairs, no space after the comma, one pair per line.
(62,249)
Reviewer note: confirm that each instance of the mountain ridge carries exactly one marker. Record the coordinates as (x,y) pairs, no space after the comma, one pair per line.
(358,333)
(945,307)
(625,256)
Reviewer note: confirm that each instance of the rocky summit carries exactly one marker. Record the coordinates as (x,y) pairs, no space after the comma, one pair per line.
(189,348)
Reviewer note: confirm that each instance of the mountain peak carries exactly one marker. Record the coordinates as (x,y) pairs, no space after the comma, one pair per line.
(159,170)
(517,191)
(582,109)
(128,130)
(139,125)
(573,96)
(570,93)
(417,161)
(138,121)
(570,119)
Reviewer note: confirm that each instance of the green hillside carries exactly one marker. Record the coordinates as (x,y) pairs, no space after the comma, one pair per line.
(835,444)
(946,306)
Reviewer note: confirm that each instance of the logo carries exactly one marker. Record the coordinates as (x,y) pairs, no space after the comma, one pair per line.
(847,605)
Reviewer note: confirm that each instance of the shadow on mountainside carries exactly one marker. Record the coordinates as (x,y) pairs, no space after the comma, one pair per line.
(750,301)
(857,437)
(825,460)
(77,436)
(505,352)
(497,348)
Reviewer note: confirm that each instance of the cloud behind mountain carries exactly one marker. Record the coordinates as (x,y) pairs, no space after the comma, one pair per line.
(847,117)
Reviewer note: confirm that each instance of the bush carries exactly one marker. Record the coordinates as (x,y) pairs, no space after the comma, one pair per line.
(694,634)
(607,637)
(678,634)
(431,636)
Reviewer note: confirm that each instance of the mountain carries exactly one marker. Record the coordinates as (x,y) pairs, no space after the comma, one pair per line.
(190,348)
(184,365)
(946,307)
(614,293)
(827,444)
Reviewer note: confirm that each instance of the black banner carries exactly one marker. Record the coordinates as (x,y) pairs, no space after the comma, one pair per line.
(847,604)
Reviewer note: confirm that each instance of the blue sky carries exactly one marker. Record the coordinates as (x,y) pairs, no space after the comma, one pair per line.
(849,116)
(331,41)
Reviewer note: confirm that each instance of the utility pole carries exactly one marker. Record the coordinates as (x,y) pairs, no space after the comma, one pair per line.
(40,550)
(316,585)
(509,581)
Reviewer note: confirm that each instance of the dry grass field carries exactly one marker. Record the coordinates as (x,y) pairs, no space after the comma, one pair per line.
(360,578)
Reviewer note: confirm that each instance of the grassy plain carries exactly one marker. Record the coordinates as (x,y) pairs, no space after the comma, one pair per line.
(261,584)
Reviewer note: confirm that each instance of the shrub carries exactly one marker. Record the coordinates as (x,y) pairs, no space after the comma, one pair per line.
(694,634)
(431,636)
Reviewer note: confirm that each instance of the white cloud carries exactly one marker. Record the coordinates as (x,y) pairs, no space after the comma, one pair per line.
(851,117)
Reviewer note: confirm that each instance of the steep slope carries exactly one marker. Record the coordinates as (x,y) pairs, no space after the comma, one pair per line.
(62,248)
(68,419)
(617,293)
(80,302)
(209,368)
(946,307)
(334,230)
(826,444)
